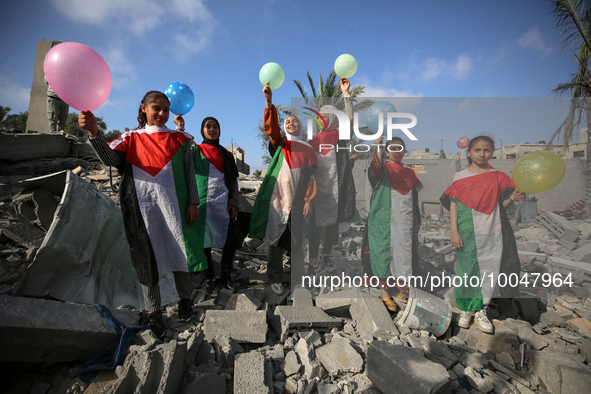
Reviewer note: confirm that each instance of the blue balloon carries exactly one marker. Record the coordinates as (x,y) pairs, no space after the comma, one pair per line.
(181,98)
(372,116)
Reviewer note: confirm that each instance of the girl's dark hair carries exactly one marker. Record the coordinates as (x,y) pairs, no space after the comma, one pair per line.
(480,138)
(149,97)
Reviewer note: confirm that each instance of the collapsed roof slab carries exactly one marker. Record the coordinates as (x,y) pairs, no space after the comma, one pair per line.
(38,330)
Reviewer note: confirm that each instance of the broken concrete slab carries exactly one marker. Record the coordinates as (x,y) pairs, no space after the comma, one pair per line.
(242,326)
(42,330)
(249,373)
(399,369)
(581,325)
(292,364)
(18,147)
(558,226)
(312,368)
(560,373)
(337,303)
(372,318)
(339,357)
(289,319)
(504,339)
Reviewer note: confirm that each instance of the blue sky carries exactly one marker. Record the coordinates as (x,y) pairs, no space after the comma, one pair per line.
(422,48)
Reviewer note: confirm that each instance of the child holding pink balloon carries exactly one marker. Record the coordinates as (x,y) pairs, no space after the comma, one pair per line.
(159,200)
(481,233)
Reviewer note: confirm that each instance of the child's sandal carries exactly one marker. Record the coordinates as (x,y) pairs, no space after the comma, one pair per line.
(390,304)
(401,297)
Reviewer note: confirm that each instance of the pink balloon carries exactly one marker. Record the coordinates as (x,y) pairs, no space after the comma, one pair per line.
(463,142)
(78,75)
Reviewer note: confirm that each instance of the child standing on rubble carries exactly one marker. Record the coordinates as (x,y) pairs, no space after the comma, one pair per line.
(217,181)
(286,195)
(481,233)
(159,198)
(394,220)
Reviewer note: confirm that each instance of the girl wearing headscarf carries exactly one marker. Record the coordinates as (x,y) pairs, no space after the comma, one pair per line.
(286,194)
(217,182)
(336,188)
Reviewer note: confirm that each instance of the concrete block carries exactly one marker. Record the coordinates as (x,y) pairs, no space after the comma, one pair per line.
(339,357)
(302,297)
(372,318)
(249,373)
(158,370)
(242,326)
(399,369)
(64,331)
(559,226)
(337,303)
(552,318)
(289,319)
(205,354)
(242,302)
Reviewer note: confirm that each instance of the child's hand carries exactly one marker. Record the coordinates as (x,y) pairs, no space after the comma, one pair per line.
(307,209)
(456,240)
(268,93)
(87,121)
(179,121)
(379,140)
(233,211)
(517,195)
(192,214)
(345,85)
(354,156)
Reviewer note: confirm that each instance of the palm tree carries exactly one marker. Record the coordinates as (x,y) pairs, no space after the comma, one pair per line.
(573,19)
(329,90)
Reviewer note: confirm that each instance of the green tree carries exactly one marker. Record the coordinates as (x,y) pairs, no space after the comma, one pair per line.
(74,129)
(573,20)
(257,173)
(16,122)
(3,112)
(111,135)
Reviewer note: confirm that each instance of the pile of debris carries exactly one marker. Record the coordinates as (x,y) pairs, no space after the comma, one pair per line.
(341,341)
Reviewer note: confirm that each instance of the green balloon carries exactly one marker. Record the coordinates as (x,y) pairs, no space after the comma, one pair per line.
(538,172)
(345,66)
(272,73)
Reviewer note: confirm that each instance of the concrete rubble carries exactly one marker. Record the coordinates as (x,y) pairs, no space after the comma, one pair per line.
(345,341)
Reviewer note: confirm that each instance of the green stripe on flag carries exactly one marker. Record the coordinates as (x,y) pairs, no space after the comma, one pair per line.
(262,204)
(379,234)
(195,256)
(468,298)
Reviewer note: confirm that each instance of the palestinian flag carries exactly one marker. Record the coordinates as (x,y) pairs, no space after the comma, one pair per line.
(290,168)
(489,244)
(327,178)
(154,201)
(393,221)
(214,220)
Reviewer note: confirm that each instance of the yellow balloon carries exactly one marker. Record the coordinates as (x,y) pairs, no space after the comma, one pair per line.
(538,172)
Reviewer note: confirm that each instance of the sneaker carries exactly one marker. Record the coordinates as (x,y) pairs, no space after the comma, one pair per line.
(156,323)
(277,288)
(185,310)
(465,319)
(210,285)
(483,323)
(328,265)
(311,269)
